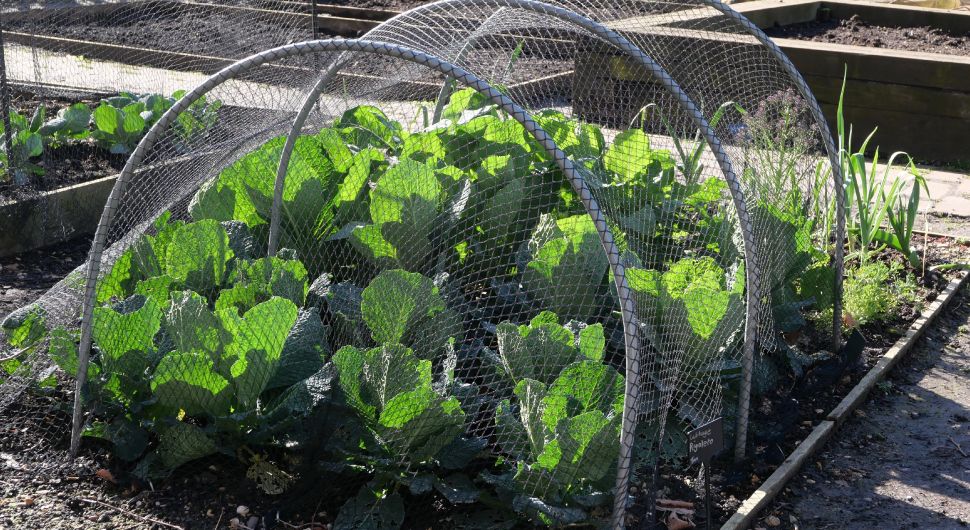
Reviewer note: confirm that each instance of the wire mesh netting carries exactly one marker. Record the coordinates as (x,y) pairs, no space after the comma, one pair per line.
(512,286)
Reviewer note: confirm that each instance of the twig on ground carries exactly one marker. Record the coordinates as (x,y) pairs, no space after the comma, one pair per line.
(954,442)
(13,355)
(313,517)
(128,513)
(223,512)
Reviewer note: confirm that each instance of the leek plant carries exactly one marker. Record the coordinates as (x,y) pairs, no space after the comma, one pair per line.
(875,198)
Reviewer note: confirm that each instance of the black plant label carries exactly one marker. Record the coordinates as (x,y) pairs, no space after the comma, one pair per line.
(705,442)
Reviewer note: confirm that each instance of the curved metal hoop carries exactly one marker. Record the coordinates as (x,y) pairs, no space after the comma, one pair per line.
(339,45)
(834,160)
(752,274)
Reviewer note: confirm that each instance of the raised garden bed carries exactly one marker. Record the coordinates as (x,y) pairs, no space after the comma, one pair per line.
(917,94)
(66,200)
(920,100)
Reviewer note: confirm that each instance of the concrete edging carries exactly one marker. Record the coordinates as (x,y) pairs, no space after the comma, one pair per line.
(823,431)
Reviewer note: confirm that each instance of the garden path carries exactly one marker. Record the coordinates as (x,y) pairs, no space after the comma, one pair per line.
(948,203)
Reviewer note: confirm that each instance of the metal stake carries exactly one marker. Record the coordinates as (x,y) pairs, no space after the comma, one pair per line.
(313,19)
(707,493)
(5,103)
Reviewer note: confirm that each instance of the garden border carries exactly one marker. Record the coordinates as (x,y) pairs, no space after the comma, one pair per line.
(774,484)
(53,216)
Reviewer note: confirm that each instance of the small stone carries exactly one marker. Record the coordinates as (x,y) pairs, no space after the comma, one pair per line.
(909,498)
(28,501)
(819,411)
(810,481)
(243,511)
(772,520)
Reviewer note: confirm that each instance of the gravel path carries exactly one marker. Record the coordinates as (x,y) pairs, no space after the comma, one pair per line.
(903,461)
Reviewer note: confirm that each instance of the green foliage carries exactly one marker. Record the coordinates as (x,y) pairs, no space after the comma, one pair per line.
(117,124)
(71,123)
(567,268)
(873,199)
(421,250)
(28,143)
(561,422)
(873,291)
(198,118)
(404,307)
(121,121)
(696,291)
(195,357)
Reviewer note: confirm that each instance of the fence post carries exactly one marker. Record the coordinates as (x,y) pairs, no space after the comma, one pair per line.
(313,20)
(5,103)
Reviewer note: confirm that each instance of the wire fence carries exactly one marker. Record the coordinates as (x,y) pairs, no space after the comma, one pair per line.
(498,249)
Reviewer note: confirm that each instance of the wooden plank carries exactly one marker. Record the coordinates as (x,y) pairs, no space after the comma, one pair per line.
(774,484)
(928,138)
(364,13)
(331,24)
(53,216)
(892,356)
(948,72)
(890,96)
(770,13)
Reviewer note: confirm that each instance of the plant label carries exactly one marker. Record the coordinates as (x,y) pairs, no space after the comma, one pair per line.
(705,442)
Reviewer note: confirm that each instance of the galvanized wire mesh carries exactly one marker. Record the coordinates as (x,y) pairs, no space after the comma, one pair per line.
(440,276)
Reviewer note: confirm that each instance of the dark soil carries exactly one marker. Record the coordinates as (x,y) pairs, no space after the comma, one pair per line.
(857,32)
(26,276)
(176,27)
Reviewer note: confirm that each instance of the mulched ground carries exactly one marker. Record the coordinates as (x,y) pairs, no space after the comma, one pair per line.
(178,27)
(858,32)
(26,276)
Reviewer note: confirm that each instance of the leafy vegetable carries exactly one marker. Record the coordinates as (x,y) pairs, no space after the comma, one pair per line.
(564,433)
(567,268)
(27,143)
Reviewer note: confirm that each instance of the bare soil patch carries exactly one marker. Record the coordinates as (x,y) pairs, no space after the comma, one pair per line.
(857,32)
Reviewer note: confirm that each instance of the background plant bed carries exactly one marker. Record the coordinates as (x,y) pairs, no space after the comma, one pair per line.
(75,162)
(919,100)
